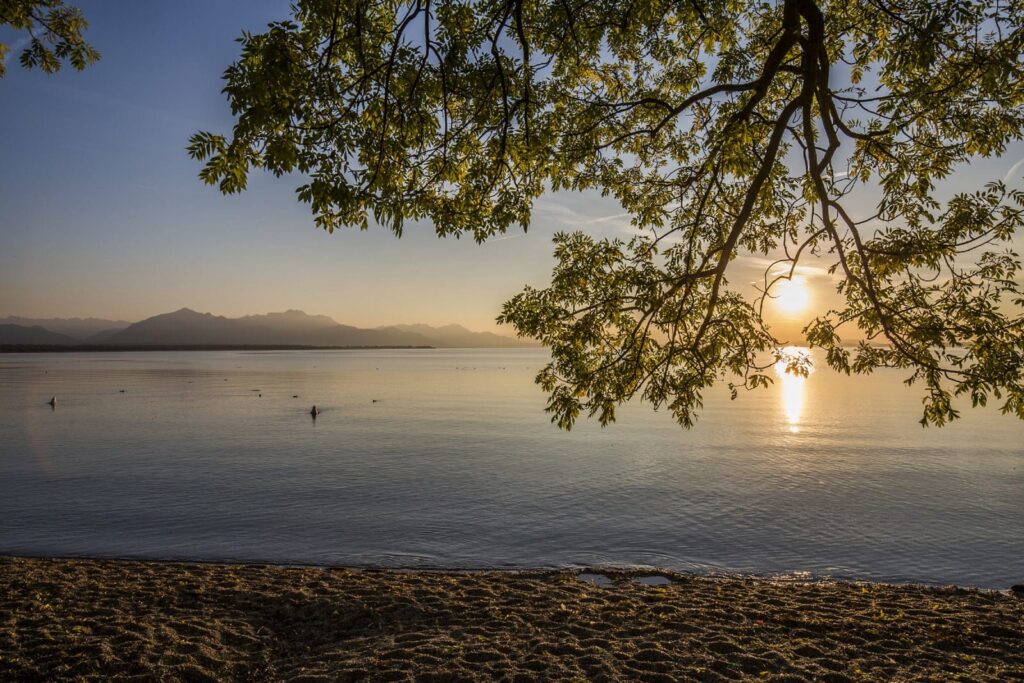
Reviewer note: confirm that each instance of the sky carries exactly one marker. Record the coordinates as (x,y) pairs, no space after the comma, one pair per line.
(101,212)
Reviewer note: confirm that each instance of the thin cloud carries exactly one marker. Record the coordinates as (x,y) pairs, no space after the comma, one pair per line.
(781,268)
(572,218)
(1013,169)
(605,219)
(507,237)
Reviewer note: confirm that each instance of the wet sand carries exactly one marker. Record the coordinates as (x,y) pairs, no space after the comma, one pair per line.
(101,620)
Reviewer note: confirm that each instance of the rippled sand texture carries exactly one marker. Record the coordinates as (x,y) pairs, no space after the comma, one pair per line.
(84,619)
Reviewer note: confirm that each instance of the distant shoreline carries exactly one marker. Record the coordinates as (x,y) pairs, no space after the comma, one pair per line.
(70,619)
(51,348)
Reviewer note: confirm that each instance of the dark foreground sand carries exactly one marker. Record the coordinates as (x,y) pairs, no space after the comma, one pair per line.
(86,619)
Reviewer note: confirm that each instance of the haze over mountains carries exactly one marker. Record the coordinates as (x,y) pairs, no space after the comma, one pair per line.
(33,335)
(186,327)
(77,328)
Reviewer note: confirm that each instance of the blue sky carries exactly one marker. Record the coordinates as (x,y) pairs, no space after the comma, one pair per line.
(101,212)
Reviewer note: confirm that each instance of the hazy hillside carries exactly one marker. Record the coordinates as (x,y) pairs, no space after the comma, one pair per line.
(79,328)
(299,328)
(289,320)
(34,335)
(292,328)
(187,327)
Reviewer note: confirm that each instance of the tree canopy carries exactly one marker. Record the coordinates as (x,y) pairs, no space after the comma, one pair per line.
(54,35)
(725,128)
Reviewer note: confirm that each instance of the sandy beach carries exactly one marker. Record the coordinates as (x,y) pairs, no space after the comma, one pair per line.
(98,620)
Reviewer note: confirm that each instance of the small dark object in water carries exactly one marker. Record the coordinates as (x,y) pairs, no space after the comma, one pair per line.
(52,402)
(122,391)
(314,412)
(260,395)
(295,395)
(374,400)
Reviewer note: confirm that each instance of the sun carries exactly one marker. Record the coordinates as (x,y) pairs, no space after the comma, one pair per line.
(791,296)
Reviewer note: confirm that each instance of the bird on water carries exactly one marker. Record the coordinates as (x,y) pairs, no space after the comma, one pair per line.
(314,412)
(52,402)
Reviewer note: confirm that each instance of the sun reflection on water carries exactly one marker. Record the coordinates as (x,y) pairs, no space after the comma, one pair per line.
(792,385)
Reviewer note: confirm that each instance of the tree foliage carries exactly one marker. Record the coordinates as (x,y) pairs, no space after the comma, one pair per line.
(55,35)
(725,128)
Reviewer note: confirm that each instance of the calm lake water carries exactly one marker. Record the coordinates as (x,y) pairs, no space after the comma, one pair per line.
(456,465)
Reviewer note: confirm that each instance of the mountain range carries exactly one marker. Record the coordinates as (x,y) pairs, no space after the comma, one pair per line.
(186,327)
(76,328)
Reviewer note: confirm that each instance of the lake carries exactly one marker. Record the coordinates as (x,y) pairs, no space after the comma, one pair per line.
(445,458)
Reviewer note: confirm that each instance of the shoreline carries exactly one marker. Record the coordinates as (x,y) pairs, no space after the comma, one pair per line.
(77,617)
(610,569)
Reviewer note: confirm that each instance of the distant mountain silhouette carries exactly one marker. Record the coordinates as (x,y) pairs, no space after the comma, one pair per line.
(290,319)
(81,329)
(104,335)
(186,327)
(14,335)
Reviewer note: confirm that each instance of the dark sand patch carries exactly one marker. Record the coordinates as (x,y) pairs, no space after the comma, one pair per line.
(100,620)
